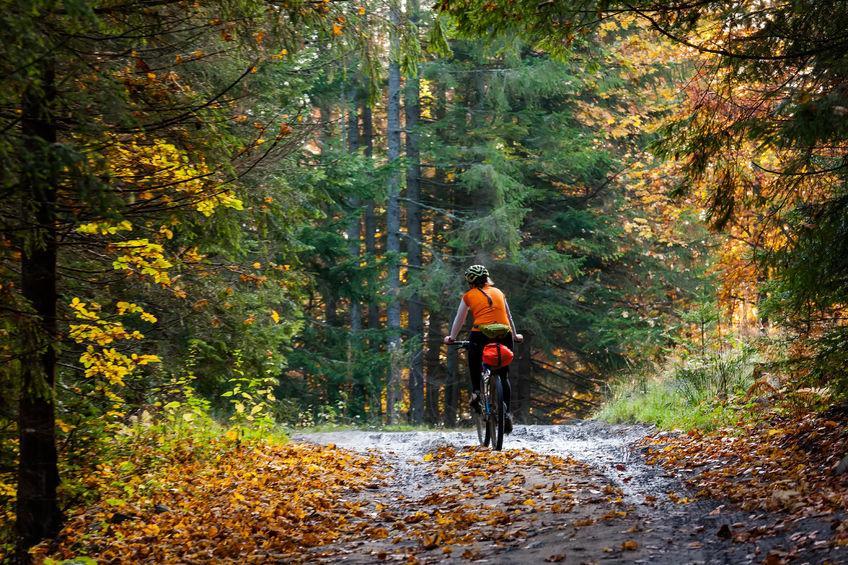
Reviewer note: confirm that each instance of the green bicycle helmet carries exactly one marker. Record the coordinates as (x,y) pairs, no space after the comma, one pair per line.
(476,272)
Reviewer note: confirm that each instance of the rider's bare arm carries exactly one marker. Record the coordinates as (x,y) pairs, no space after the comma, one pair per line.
(458,321)
(517,336)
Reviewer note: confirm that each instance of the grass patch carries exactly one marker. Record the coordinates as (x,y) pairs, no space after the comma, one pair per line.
(662,404)
(702,392)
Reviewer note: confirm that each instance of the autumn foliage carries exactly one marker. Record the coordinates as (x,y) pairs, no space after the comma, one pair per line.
(207,236)
(790,465)
(225,500)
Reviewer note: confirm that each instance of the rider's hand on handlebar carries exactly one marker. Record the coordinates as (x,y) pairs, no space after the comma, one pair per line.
(518,338)
(449,340)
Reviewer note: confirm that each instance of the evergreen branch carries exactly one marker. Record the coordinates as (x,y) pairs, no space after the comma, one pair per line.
(835,45)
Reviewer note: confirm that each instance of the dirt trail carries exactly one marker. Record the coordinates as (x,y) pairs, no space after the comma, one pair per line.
(578,493)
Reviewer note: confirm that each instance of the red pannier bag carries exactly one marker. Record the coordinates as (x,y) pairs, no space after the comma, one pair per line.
(497,355)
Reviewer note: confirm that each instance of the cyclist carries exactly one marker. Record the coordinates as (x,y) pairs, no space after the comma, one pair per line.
(492,324)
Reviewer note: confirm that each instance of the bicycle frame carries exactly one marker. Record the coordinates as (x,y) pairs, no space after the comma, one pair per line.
(490,420)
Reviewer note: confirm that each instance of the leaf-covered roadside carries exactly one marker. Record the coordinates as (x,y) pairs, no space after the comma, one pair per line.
(213,497)
(787,465)
(225,501)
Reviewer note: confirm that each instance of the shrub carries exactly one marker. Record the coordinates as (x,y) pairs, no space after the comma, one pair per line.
(694,393)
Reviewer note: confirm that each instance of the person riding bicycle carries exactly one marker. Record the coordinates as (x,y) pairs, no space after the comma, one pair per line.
(492,324)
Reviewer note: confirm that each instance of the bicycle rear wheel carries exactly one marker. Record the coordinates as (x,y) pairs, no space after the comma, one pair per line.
(482,435)
(483,431)
(496,416)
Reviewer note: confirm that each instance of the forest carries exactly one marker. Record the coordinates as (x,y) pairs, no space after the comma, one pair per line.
(231,226)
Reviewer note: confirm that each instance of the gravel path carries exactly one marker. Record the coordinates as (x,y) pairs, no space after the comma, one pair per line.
(617,499)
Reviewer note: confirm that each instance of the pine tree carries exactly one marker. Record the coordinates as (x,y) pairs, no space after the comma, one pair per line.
(513,139)
(393,308)
(415,307)
(770,165)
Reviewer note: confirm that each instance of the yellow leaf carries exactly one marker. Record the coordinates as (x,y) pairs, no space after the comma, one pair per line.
(65,427)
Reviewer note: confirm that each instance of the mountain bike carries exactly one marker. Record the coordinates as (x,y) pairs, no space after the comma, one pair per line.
(491,414)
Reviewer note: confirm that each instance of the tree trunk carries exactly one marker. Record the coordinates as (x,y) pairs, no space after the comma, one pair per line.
(393,221)
(38,514)
(452,384)
(415,308)
(371,249)
(353,241)
(330,308)
(433,367)
(330,295)
(441,226)
(353,229)
(371,223)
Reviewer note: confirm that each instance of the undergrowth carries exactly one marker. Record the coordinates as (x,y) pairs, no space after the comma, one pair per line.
(704,392)
(125,462)
(199,492)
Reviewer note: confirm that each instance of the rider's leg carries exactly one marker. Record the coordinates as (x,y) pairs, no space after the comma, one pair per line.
(503,373)
(475,358)
(475,365)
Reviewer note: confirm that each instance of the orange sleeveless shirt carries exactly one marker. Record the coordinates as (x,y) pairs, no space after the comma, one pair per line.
(484,312)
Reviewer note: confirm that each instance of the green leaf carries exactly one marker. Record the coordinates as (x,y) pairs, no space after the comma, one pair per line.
(437,39)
